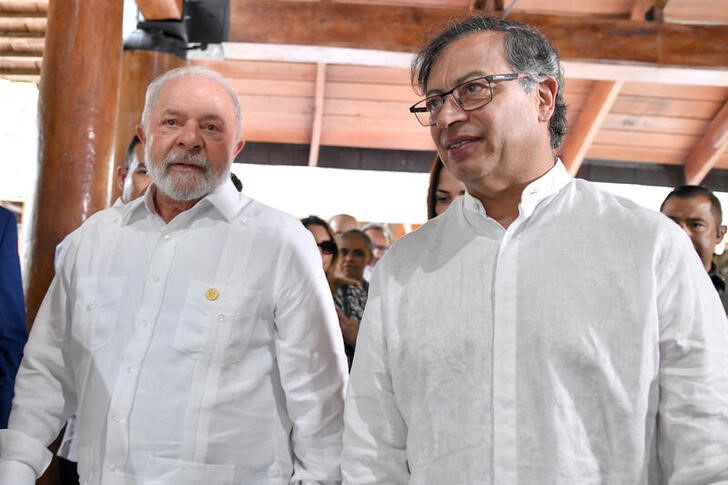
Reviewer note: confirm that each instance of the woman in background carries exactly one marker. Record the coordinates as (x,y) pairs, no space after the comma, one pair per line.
(443,189)
(349,296)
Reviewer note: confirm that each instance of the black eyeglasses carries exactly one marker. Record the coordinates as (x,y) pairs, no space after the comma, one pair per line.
(328,247)
(469,96)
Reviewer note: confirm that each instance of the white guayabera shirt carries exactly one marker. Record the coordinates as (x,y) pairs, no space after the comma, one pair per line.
(206,350)
(585,344)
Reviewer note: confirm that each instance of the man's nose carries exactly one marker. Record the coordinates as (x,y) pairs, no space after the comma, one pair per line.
(190,136)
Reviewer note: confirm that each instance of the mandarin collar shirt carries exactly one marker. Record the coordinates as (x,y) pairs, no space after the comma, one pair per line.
(205,350)
(583,344)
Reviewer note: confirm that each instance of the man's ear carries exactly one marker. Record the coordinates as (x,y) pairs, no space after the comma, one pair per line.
(547,90)
(140,133)
(238,147)
(721,232)
(121,175)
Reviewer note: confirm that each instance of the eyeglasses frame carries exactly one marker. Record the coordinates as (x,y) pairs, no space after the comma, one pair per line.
(414,109)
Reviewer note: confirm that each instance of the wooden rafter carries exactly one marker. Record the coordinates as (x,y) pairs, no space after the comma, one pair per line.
(318,114)
(709,149)
(160,9)
(24,7)
(592,115)
(370,27)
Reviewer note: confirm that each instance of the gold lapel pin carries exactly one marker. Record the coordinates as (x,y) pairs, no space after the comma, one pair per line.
(212,294)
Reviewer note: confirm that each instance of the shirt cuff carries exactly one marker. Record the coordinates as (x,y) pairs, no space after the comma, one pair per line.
(16,473)
(17,449)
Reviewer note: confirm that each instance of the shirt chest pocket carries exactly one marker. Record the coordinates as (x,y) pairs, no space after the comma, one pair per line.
(96,311)
(218,320)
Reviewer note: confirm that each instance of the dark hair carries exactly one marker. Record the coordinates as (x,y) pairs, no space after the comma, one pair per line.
(130,151)
(435,171)
(358,233)
(527,50)
(689,191)
(317,221)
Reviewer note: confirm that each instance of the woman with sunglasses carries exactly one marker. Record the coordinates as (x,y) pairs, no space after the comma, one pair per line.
(349,296)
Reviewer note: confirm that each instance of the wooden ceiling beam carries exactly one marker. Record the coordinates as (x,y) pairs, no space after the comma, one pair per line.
(160,9)
(590,120)
(709,149)
(318,115)
(373,27)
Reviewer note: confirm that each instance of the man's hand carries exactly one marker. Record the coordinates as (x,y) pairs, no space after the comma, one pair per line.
(349,328)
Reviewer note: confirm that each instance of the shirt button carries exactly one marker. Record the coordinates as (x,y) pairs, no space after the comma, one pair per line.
(167,237)
(89,307)
(143,323)
(112,467)
(221,318)
(155,279)
(131,370)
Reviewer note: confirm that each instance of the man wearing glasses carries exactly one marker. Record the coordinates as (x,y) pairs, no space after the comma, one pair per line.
(540,330)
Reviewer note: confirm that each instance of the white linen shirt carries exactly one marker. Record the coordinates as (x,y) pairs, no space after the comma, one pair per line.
(205,350)
(584,344)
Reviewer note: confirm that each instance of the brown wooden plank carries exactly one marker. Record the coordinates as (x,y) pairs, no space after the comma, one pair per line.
(23,25)
(639,154)
(160,9)
(370,26)
(21,46)
(661,107)
(590,119)
(233,69)
(630,138)
(675,91)
(709,11)
(654,124)
(21,65)
(708,150)
(23,7)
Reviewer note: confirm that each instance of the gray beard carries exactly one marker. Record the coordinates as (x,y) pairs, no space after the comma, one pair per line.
(186,186)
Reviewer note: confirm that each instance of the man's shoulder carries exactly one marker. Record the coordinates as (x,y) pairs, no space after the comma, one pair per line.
(609,207)
(264,217)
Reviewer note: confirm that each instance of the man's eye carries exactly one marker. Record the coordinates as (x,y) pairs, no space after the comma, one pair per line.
(474,87)
(170,122)
(433,104)
(211,128)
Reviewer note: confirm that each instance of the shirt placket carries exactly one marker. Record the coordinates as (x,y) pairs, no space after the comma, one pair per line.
(504,361)
(125,386)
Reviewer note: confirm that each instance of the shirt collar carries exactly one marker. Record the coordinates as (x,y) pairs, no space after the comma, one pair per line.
(535,192)
(225,200)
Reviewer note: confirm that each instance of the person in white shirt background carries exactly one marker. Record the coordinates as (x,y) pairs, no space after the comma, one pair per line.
(539,330)
(191,330)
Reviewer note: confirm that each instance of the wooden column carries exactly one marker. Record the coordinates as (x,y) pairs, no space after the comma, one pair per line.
(77,112)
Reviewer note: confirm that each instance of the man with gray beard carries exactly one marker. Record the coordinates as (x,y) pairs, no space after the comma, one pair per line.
(192,330)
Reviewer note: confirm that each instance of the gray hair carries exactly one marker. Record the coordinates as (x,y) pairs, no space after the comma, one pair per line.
(156,86)
(380,228)
(527,50)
